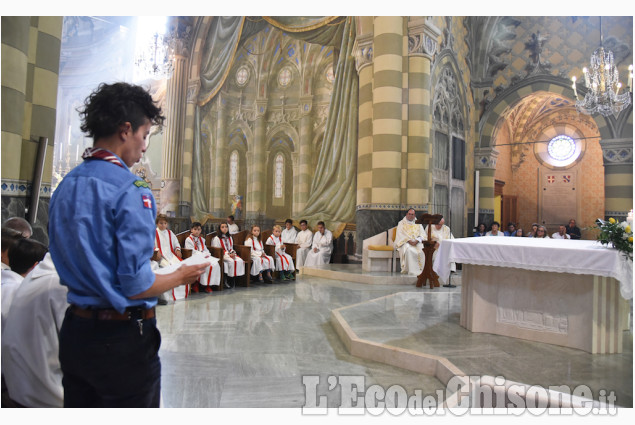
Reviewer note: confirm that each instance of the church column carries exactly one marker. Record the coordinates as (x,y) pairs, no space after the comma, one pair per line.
(256,197)
(188,147)
(219,202)
(173,134)
(422,45)
(485,163)
(305,172)
(30,65)
(384,158)
(618,177)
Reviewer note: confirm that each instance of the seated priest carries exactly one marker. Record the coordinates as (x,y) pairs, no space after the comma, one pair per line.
(440,232)
(409,243)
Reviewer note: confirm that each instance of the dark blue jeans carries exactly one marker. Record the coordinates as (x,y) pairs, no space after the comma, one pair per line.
(110,363)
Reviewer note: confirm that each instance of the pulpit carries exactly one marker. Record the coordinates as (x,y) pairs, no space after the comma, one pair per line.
(428,249)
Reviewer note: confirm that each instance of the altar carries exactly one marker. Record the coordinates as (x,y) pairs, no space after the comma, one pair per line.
(571,293)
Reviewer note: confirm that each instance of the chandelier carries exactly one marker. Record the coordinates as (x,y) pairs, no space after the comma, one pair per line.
(155,60)
(603,84)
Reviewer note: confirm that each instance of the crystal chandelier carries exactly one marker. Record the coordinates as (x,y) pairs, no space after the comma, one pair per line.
(603,85)
(156,59)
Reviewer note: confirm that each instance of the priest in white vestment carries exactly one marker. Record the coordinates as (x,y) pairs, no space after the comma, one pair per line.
(321,247)
(304,239)
(409,243)
(440,232)
(30,346)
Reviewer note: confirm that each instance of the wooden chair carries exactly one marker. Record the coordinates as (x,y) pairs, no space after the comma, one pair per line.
(240,237)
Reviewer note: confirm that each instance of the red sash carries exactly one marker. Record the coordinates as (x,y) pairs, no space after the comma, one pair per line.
(231,247)
(283,259)
(196,242)
(156,231)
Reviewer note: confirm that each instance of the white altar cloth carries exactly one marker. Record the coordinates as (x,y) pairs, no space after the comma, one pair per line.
(549,255)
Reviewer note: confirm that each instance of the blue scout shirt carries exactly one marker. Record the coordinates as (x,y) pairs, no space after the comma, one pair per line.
(101,236)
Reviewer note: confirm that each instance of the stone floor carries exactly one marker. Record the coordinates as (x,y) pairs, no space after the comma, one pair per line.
(251,347)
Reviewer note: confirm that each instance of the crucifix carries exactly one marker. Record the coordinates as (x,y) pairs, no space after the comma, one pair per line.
(428,249)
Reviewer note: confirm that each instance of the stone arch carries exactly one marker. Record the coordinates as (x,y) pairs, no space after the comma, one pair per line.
(509,97)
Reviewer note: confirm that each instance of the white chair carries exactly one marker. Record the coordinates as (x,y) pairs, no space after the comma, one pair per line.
(379,253)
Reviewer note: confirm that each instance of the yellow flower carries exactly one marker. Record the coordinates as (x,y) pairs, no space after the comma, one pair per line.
(630,239)
(628,229)
(612,220)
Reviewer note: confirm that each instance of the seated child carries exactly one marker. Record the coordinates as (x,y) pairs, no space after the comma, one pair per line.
(169,251)
(289,233)
(195,242)
(233,265)
(261,262)
(284,262)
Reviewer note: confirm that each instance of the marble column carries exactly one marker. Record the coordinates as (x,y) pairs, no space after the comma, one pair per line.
(220,201)
(185,204)
(256,197)
(485,163)
(176,96)
(382,146)
(422,46)
(31,49)
(305,172)
(618,177)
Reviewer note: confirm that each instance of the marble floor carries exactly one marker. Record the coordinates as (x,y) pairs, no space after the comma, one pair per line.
(251,347)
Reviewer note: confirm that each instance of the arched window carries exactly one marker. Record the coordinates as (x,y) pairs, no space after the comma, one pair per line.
(233,173)
(448,151)
(278,176)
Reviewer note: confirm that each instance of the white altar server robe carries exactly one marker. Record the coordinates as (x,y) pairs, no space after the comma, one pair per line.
(232,266)
(283,260)
(304,239)
(259,260)
(30,346)
(324,245)
(211,275)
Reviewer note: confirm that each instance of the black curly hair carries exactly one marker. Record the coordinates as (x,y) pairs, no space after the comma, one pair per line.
(111,105)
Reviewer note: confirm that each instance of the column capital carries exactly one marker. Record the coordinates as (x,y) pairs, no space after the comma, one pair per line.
(422,38)
(193,87)
(260,107)
(305,105)
(617,151)
(363,51)
(485,158)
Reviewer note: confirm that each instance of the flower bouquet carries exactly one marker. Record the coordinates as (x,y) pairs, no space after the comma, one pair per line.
(618,235)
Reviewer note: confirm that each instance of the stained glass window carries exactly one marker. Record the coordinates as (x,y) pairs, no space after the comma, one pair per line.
(278,176)
(242,75)
(284,77)
(561,147)
(233,173)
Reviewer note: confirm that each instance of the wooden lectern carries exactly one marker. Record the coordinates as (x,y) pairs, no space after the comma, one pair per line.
(428,249)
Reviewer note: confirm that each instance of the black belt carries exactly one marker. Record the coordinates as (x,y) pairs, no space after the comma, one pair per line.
(131,313)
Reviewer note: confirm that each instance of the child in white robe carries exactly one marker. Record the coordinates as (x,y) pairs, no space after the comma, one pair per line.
(260,262)
(321,247)
(289,233)
(284,262)
(304,239)
(169,248)
(211,276)
(233,265)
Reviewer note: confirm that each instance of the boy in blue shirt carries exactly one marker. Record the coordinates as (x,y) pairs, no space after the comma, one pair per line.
(101,232)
